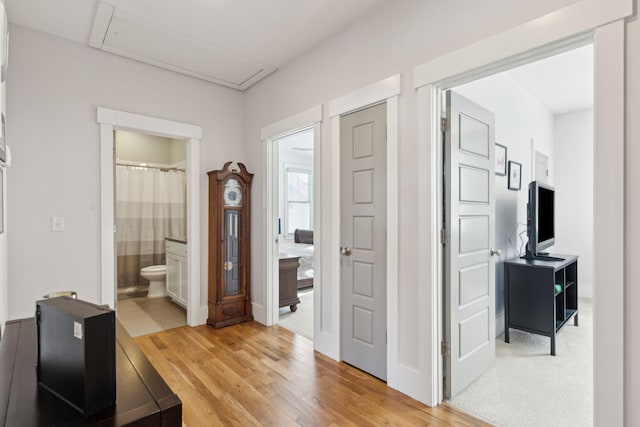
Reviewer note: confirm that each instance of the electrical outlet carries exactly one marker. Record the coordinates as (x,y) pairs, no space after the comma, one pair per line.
(57,223)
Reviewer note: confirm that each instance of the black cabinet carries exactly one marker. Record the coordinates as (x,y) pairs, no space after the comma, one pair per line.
(541,296)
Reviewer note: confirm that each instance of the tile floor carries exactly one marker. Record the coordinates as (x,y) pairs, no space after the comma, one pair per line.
(142,316)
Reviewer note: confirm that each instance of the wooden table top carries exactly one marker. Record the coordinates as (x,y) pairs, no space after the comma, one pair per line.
(142,396)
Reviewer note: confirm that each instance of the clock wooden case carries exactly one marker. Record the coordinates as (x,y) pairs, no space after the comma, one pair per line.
(229,237)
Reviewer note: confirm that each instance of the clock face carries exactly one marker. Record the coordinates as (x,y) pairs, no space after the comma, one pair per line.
(232,193)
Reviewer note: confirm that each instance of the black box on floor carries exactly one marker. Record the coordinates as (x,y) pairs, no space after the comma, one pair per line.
(76,352)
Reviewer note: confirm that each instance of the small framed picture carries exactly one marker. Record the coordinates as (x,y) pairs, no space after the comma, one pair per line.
(515,175)
(501,160)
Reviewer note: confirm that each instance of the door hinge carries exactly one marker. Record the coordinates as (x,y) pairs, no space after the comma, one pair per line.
(445,348)
(443,236)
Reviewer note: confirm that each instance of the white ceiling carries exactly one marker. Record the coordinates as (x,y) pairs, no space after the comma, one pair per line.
(237,43)
(563,83)
(229,42)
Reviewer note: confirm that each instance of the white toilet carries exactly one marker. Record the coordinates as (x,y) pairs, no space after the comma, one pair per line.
(155,274)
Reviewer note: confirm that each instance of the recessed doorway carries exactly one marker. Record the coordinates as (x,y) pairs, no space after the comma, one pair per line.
(296,251)
(551,139)
(151,232)
(111,121)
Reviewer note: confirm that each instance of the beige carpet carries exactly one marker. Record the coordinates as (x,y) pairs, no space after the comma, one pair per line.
(526,386)
(300,322)
(142,316)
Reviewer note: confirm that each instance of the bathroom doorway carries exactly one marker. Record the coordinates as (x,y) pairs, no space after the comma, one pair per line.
(151,231)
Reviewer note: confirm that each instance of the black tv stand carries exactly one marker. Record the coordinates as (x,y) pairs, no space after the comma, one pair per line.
(540,296)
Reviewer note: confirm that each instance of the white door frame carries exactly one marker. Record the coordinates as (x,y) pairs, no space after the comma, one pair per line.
(388,91)
(602,21)
(109,121)
(267,312)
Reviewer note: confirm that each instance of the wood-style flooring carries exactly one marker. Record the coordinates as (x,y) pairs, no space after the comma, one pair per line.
(249,374)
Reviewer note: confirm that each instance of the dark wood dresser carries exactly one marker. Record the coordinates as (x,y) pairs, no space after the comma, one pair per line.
(289,281)
(142,396)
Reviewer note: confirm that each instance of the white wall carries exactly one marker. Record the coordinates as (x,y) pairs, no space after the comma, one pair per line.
(54,87)
(520,118)
(632,227)
(573,156)
(142,148)
(390,40)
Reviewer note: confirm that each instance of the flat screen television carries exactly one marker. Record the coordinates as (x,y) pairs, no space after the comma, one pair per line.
(541,219)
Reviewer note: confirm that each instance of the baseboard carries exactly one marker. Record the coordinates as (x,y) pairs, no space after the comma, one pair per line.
(259,312)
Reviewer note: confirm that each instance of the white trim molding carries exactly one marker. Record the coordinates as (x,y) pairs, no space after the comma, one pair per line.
(603,22)
(366,96)
(292,124)
(387,90)
(109,121)
(609,235)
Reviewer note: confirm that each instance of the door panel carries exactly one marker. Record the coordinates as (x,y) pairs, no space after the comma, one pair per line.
(363,219)
(470,218)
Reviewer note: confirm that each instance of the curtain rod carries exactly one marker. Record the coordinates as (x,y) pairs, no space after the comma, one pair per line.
(149,167)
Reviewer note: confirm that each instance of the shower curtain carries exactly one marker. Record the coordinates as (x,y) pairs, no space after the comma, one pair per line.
(150,205)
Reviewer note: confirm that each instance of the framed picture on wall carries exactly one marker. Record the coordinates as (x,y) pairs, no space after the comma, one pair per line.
(515,175)
(501,160)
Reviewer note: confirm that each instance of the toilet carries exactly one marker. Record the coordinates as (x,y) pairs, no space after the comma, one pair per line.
(155,274)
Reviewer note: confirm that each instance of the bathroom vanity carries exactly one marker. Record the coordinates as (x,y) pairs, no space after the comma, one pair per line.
(177,277)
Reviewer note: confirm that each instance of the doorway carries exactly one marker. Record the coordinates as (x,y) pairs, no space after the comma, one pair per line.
(363,172)
(151,232)
(110,121)
(552,129)
(296,251)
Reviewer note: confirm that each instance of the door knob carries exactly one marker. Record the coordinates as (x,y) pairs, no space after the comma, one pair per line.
(496,252)
(345,251)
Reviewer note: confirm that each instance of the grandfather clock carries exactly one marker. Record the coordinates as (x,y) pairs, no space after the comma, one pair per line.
(229,237)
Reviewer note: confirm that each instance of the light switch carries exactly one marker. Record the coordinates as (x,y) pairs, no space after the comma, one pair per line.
(57,223)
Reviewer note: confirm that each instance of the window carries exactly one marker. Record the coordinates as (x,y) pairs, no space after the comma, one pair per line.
(299,202)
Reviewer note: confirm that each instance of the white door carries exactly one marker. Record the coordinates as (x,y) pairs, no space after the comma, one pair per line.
(542,168)
(470,224)
(363,261)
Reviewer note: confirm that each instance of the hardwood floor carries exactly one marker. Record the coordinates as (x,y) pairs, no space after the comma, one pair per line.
(249,374)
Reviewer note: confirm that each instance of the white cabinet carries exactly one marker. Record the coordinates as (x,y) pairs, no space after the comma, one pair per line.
(177,277)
